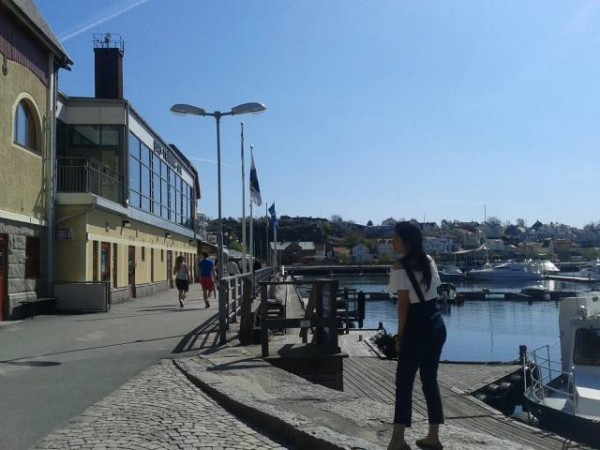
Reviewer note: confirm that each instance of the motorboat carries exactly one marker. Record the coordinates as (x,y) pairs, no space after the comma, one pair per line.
(509,271)
(546,267)
(590,271)
(450,274)
(565,396)
(536,292)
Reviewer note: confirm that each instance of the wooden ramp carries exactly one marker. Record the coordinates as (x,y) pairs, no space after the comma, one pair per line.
(374,378)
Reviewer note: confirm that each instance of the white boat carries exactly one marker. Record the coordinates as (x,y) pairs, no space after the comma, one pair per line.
(509,271)
(565,396)
(546,267)
(590,271)
(537,292)
(451,273)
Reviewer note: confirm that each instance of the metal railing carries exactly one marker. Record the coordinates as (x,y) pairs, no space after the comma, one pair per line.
(78,174)
(547,377)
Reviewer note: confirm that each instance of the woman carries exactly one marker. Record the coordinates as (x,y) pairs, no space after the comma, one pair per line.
(421,335)
(182,278)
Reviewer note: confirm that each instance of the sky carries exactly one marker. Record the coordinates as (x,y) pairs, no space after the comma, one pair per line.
(376,109)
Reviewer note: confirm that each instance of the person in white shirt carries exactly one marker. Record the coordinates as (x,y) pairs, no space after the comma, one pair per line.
(421,335)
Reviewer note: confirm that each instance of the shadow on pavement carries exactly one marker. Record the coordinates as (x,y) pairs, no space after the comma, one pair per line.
(204,330)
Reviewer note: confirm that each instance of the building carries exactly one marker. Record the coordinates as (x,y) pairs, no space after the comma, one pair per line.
(30,58)
(293,252)
(126,201)
(361,254)
(436,246)
(385,249)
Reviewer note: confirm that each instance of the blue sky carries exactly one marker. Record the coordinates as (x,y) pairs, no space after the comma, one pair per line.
(376,108)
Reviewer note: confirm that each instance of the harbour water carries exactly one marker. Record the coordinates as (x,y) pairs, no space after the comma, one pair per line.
(478,331)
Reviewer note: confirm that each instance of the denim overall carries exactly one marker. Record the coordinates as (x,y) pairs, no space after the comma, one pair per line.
(422,341)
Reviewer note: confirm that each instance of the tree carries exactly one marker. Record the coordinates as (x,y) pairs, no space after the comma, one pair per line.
(336,218)
(370,223)
(493,220)
(521,223)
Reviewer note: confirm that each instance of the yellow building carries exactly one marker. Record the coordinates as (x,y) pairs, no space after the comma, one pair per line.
(30,57)
(126,199)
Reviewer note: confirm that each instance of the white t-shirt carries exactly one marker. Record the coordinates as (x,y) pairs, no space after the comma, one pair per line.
(399,281)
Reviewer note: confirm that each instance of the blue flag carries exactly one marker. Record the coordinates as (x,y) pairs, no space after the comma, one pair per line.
(254,187)
(273,215)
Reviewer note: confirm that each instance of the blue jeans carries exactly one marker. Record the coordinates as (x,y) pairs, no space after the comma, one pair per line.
(422,341)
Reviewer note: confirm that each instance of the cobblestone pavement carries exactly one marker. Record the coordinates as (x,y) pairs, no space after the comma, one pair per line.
(158,409)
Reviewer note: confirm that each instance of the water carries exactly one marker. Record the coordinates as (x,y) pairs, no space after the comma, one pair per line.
(487,330)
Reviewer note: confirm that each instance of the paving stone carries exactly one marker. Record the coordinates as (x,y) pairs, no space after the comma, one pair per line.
(158,409)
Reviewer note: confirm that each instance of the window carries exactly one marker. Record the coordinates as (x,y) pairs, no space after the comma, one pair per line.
(587,347)
(32,257)
(143,253)
(162,256)
(25,128)
(95,273)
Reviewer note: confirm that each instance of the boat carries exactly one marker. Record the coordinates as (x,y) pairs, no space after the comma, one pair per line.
(536,292)
(565,396)
(449,274)
(546,267)
(590,271)
(508,271)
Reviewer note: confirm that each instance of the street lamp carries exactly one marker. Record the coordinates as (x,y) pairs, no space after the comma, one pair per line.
(244,108)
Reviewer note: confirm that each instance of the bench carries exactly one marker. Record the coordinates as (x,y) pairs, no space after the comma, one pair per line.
(27,305)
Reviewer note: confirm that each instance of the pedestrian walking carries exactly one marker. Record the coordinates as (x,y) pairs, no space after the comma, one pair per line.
(182,278)
(421,335)
(207,277)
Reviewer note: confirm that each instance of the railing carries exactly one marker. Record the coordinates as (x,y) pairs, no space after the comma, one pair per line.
(324,318)
(547,376)
(233,291)
(89,175)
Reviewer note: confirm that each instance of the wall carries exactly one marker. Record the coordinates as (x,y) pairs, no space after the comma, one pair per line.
(21,170)
(76,261)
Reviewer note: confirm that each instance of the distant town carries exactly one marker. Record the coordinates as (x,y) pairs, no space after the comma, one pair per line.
(311,240)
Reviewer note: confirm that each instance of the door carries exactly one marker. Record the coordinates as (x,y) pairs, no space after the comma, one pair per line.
(131,265)
(3,271)
(170,268)
(105,262)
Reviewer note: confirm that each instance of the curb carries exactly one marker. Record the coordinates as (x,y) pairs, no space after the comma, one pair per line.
(273,425)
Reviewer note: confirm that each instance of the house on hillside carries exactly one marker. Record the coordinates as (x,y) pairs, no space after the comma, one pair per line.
(361,254)
(293,252)
(385,249)
(436,246)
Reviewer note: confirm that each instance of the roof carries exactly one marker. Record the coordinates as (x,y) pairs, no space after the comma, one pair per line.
(305,246)
(28,12)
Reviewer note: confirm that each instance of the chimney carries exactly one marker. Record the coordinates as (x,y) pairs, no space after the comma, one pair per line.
(108,54)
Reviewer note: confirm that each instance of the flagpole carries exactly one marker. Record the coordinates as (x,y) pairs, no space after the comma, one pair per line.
(252,229)
(244,258)
(268,250)
(275,259)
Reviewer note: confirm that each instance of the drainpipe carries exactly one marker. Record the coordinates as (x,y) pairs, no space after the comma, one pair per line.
(51,172)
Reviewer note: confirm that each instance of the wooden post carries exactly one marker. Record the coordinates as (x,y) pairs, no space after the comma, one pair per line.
(246,316)
(235,301)
(264,335)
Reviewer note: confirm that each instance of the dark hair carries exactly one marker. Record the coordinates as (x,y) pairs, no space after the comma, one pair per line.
(415,257)
(204,255)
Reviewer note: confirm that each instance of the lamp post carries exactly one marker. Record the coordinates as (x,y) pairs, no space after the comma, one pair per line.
(244,108)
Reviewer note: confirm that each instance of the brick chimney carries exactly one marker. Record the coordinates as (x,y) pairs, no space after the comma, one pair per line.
(108,55)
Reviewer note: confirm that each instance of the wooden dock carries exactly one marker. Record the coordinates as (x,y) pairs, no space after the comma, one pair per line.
(374,378)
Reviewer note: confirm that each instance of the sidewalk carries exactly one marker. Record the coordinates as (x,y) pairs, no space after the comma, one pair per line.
(158,409)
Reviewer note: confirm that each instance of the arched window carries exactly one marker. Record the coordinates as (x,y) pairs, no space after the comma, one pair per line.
(25,127)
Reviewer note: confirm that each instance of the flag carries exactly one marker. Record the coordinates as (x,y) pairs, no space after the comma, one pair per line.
(254,187)
(273,215)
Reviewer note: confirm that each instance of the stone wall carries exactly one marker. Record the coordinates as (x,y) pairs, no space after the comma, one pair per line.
(17,286)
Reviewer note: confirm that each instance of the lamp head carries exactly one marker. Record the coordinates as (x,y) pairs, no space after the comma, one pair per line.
(184,109)
(245,108)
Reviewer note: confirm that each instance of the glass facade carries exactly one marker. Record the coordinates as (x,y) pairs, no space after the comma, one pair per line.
(156,187)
